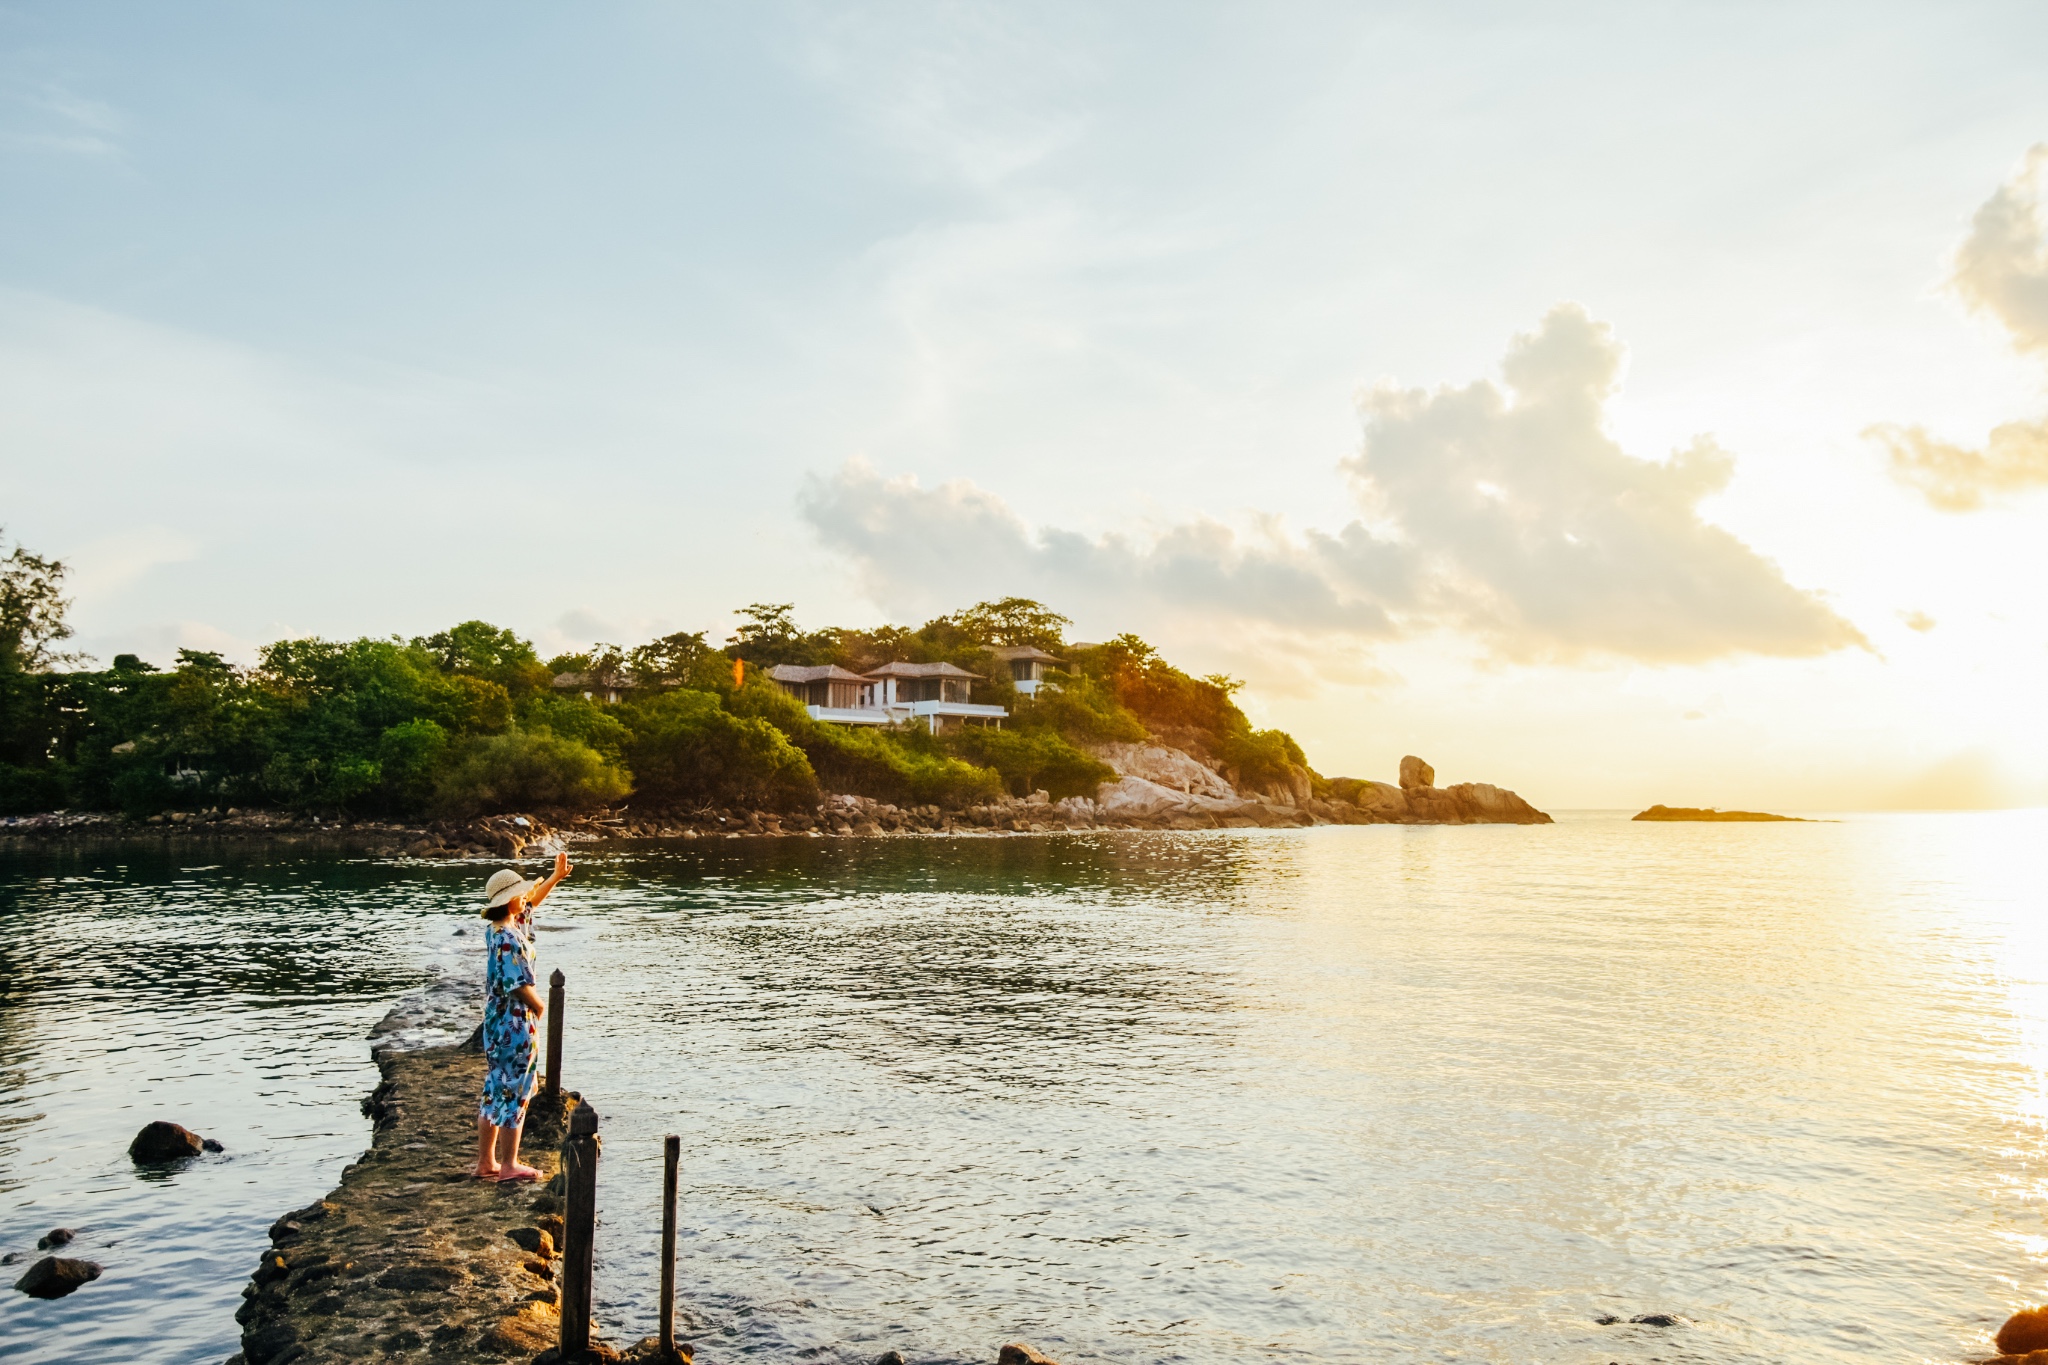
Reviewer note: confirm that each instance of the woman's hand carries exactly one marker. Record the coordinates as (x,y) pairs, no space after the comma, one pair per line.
(529,997)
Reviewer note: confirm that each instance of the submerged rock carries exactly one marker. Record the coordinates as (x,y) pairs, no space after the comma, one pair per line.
(55,1276)
(55,1237)
(163,1141)
(1655,1320)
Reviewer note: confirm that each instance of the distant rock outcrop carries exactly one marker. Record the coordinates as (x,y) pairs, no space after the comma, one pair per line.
(1157,784)
(1710,815)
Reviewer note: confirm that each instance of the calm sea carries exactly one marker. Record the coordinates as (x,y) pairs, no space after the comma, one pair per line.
(1352,1094)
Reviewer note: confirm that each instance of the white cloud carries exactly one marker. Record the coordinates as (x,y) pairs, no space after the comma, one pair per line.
(1509,514)
(2001,269)
(1541,534)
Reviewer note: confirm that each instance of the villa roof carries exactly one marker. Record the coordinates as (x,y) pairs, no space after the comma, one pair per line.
(813,673)
(1011,653)
(569,682)
(900,669)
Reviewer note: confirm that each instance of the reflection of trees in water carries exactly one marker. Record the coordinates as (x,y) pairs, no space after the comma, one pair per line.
(150,926)
(1020,963)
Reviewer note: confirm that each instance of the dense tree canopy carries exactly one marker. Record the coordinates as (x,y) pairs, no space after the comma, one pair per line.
(469,720)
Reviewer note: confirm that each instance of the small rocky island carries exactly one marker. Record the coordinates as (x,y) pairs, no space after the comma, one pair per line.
(1710,814)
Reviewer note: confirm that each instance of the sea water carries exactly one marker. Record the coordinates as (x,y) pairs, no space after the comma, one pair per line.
(1343,1094)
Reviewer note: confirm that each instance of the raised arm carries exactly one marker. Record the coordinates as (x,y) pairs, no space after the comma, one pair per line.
(554,879)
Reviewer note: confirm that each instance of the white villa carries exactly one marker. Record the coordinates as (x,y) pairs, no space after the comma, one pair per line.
(894,694)
(1027,665)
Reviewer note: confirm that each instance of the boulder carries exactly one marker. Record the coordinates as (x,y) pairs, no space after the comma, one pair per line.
(55,1276)
(533,1239)
(2024,1331)
(55,1237)
(1017,1353)
(163,1141)
(1433,805)
(1482,802)
(1165,767)
(1416,773)
(1382,799)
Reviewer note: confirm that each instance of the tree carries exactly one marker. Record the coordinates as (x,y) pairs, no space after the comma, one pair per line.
(769,635)
(482,650)
(1013,621)
(32,609)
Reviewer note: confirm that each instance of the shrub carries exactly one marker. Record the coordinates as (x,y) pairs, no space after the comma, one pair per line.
(528,768)
(684,746)
(900,766)
(1033,760)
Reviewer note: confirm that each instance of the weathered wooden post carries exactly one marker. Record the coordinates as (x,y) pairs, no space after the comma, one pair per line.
(671,1152)
(554,1080)
(579,1232)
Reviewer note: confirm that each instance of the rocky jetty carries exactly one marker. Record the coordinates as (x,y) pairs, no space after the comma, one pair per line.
(410,1258)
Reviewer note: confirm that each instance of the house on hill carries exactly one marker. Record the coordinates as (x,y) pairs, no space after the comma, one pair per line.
(939,695)
(604,687)
(830,692)
(1027,665)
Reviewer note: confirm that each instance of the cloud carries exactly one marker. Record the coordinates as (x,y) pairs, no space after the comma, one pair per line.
(1508,514)
(2001,269)
(1551,541)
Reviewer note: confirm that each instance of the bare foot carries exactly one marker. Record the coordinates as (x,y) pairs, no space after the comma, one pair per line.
(517,1172)
(482,1172)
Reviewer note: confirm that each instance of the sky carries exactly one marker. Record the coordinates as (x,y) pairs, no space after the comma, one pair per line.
(1618,403)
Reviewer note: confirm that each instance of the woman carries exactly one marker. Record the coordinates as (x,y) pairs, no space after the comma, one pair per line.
(512,1008)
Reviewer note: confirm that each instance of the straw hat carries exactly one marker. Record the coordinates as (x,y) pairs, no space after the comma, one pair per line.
(503,886)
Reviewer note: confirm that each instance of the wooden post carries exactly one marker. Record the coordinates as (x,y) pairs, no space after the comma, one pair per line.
(579,1233)
(671,1152)
(553,1088)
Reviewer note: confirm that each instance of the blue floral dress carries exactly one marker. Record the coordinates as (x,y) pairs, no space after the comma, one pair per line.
(511,1047)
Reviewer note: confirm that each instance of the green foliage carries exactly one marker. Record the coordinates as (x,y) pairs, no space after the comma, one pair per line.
(1010,621)
(479,649)
(32,609)
(523,769)
(467,719)
(684,746)
(1081,709)
(1261,757)
(1033,760)
(576,717)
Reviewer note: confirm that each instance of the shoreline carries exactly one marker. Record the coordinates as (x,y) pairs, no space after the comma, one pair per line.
(518,835)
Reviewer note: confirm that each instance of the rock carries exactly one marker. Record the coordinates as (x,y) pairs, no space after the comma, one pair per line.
(55,1276)
(552,1225)
(889,1358)
(533,1240)
(1655,1320)
(1382,799)
(1433,804)
(1166,767)
(210,1145)
(161,1141)
(55,1237)
(1416,773)
(417,1278)
(2024,1331)
(1017,1353)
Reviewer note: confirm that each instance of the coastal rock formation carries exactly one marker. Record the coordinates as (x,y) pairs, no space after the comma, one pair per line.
(1164,767)
(55,1276)
(162,1141)
(1710,815)
(1417,802)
